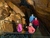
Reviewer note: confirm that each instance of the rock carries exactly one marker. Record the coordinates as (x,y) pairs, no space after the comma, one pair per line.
(15,8)
(7,15)
(3,11)
(1,4)
(23,21)
(5,26)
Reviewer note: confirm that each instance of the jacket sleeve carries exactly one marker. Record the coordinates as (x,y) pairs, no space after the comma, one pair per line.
(20,28)
(33,29)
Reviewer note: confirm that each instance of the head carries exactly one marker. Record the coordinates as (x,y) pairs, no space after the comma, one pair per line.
(35,18)
(30,24)
(32,15)
(17,21)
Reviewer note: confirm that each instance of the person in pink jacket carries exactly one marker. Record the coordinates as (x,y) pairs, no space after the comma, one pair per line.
(19,27)
(31,29)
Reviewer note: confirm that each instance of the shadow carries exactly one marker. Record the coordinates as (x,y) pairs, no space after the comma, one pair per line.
(14,26)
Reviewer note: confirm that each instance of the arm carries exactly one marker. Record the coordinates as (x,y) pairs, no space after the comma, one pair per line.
(33,29)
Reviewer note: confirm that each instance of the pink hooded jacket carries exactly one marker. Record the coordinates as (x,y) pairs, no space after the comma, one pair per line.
(19,28)
(31,29)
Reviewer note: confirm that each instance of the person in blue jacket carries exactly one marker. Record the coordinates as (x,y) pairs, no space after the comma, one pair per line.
(31,18)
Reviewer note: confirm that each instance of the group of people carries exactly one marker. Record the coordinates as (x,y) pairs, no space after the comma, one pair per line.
(33,24)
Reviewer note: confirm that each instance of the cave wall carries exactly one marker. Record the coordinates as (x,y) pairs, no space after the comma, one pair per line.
(42,8)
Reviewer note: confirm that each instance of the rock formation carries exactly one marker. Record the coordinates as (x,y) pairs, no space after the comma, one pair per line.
(8,13)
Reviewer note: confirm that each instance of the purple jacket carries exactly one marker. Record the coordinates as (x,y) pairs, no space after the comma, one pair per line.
(19,28)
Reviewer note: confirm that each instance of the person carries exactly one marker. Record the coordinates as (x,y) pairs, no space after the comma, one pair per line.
(31,18)
(35,23)
(31,30)
(19,27)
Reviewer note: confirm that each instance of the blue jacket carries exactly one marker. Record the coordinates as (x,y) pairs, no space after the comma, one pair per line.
(31,18)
